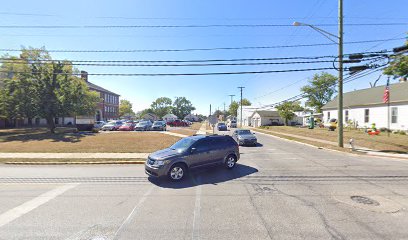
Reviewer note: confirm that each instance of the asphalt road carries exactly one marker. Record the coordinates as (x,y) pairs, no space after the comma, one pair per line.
(279,190)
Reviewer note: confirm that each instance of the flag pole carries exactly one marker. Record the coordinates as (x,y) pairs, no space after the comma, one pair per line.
(388,105)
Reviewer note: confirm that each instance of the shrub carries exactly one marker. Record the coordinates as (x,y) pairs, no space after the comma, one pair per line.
(383,129)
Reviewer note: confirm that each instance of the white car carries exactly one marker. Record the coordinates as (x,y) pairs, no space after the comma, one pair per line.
(99,124)
(232,124)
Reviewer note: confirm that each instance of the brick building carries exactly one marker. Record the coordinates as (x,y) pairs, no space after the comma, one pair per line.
(108,107)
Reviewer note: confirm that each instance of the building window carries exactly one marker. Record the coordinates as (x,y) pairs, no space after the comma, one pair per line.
(366,115)
(328,116)
(394,115)
(106,108)
(346,116)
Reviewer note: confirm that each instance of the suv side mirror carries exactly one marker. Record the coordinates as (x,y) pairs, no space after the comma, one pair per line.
(193,150)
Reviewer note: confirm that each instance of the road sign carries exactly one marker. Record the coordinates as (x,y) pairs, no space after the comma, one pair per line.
(213,119)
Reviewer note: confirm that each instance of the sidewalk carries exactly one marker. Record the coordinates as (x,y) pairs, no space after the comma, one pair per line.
(203,129)
(357,148)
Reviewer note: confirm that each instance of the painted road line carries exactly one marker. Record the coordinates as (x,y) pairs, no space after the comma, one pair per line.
(26,207)
(197,211)
(134,210)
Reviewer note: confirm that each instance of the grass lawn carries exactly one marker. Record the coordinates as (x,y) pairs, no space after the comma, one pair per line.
(187,132)
(72,160)
(395,143)
(196,126)
(40,140)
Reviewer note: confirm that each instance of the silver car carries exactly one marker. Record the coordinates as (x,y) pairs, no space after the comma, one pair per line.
(143,126)
(244,137)
(112,126)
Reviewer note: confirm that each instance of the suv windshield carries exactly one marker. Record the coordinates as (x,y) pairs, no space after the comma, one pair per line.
(183,144)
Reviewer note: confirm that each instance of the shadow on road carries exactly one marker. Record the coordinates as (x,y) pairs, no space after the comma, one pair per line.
(39,134)
(203,176)
(251,146)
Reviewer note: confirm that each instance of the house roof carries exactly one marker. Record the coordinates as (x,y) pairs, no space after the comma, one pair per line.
(265,113)
(100,89)
(169,115)
(372,96)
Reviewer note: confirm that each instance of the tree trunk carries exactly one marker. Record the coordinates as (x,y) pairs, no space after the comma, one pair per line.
(286,122)
(51,124)
(30,122)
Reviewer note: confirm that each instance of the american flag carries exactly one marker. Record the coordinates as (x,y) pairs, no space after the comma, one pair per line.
(386,96)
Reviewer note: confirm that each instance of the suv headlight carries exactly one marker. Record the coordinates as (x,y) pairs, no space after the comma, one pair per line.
(159,163)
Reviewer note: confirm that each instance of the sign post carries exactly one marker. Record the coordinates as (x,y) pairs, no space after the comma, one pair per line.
(213,120)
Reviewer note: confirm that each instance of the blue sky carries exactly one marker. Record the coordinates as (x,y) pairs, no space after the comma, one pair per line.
(201,90)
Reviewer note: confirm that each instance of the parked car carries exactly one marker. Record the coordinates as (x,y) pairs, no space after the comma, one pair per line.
(99,124)
(192,152)
(112,126)
(244,137)
(159,125)
(143,126)
(127,127)
(222,127)
(232,124)
(177,123)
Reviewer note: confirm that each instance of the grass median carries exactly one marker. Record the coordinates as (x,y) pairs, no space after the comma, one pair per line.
(41,141)
(72,161)
(394,144)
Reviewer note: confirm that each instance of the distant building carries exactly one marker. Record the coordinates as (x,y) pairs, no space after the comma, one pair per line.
(150,116)
(169,117)
(192,118)
(271,117)
(108,107)
(362,108)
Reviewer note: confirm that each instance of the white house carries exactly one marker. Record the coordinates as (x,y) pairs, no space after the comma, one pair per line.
(247,112)
(150,116)
(364,107)
(192,118)
(169,117)
(271,117)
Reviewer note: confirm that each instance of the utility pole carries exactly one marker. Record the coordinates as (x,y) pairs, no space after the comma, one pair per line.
(340,87)
(224,107)
(241,106)
(231,95)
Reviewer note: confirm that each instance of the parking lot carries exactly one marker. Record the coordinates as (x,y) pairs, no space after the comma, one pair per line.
(279,190)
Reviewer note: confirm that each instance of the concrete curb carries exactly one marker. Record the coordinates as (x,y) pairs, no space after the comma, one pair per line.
(76,163)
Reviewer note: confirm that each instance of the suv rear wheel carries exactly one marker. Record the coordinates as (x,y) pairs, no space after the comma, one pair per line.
(177,172)
(231,161)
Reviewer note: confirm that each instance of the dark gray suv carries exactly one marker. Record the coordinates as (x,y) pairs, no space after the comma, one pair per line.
(192,152)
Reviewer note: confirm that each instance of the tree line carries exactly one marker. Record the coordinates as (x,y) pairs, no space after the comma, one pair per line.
(33,86)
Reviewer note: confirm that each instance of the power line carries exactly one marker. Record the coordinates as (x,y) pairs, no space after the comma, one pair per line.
(197,60)
(186,26)
(208,49)
(175,65)
(188,74)
(348,79)
(181,61)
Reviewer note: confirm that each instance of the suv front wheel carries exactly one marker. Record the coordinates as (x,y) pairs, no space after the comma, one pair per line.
(177,172)
(230,161)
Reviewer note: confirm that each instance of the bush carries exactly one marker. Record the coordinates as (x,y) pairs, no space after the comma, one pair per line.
(383,129)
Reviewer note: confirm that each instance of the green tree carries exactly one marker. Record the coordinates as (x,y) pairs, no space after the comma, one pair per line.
(34,85)
(141,113)
(320,90)
(287,110)
(161,106)
(182,107)
(398,66)
(125,108)
(233,108)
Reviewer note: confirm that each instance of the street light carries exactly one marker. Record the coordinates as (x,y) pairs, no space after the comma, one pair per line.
(339,42)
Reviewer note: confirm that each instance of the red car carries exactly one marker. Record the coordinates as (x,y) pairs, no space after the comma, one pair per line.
(127,127)
(177,123)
